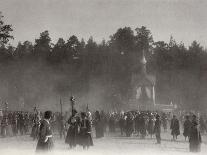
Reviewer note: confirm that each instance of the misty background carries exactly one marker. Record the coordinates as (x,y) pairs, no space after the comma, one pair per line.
(54,49)
(99,75)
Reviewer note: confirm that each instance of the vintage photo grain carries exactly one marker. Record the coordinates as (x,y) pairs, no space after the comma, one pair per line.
(103,77)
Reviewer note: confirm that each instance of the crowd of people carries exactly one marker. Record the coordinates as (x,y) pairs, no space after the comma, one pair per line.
(78,128)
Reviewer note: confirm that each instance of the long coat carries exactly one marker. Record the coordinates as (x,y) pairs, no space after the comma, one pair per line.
(187,125)
(85,133)
(142,127)
(175,127)
(157,127)
(72,137)
(129,126)
(43,143)
(99,127)
(150,126)
(194,138)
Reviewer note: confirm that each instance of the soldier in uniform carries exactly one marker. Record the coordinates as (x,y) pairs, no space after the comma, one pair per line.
(45,142)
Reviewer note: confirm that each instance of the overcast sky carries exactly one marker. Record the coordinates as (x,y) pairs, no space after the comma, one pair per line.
(185,20)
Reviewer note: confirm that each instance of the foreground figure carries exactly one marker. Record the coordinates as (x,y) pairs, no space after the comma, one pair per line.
(72,136)
(157,129)
(195,136)
(175,127)
(187,125)
(45,142)
(85,132)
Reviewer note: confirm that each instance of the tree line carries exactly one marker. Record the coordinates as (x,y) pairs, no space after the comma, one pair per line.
(104,70)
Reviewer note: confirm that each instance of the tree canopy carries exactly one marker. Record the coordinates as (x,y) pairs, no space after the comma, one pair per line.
(104,70)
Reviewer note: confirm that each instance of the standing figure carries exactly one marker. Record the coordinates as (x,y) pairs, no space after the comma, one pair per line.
(104,121)
(85,132)
(21,123)
(14,124)
(1,115)
(73,130)
(4,126)
(175,127)
(195,136)
(129,124)
(60,125)
(26,123)
(136,123)
(122,123)
(142,126)
(112,126)
(164,121)
(45,142)
(187,125)
(150,125)
(157,129)
(202,125)
(36,125)
(98,125)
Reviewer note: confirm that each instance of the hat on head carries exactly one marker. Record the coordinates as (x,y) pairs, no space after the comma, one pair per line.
(48,114)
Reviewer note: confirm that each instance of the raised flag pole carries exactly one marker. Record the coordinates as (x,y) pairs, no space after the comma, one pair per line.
(6,107)
(61,107)
(72,100)
(87,109)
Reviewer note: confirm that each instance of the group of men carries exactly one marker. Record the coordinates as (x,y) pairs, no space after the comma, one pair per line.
(150,123)
(77,130)
(14,123)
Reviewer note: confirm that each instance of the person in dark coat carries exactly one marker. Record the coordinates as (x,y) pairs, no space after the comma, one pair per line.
(122,124)
(112,127)
(143,127)
(36,125)
(186,126)
(73,131)
(21,123)
(195,136)
(157,129)
(150,125)
(202,125)
(85,132)
(164,121)
(136,122)
(98,125)
(175,127)
(60,125)
(14,124)
(4,124)
(129,124)
(45,142)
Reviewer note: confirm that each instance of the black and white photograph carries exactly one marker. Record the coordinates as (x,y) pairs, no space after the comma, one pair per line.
(103,77)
